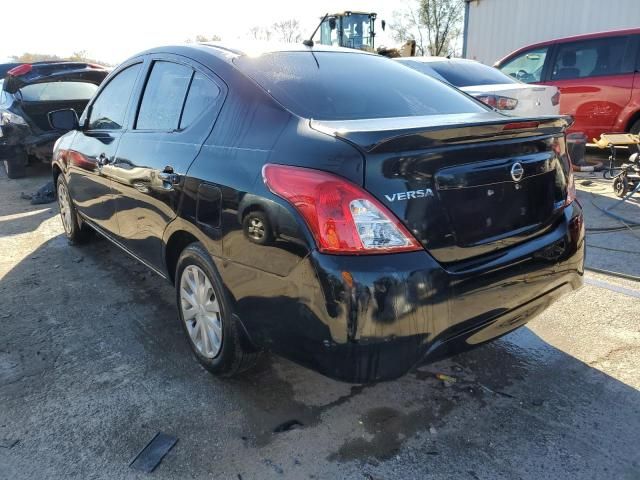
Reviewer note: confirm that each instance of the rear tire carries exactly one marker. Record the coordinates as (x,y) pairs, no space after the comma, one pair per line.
(257,228)
(635,128)
(16,167)
(75,231)
(207,317)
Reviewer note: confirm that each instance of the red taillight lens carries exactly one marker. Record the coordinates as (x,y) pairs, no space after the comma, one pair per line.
(343,218)
(496,101)
(488,99)
(20,70)
(555,100)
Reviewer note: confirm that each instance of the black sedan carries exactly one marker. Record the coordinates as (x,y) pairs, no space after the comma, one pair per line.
(329,205)
(28,93)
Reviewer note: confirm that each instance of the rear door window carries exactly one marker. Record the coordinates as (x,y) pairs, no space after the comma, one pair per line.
(164,97)
(202,94)
(592,58)
(109,110)
(527,66)
(57,91)
(468,73)
(349,86)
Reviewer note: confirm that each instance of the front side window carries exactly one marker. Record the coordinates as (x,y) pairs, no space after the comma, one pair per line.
(57,91)
(109,110)
(164,97)
(526,67)
(591,58)
(351,86)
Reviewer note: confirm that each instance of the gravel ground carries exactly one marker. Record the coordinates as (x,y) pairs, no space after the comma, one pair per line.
(93,364)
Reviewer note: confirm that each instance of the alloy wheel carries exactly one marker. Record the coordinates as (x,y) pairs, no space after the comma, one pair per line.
(256,229)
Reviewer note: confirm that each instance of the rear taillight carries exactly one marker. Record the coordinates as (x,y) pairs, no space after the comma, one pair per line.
(20,70)
(496,101)
(343,218)
(555,100)
(8,118)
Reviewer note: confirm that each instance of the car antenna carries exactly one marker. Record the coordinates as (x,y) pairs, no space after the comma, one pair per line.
(309,41)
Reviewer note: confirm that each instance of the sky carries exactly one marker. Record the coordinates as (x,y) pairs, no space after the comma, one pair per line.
(115,30)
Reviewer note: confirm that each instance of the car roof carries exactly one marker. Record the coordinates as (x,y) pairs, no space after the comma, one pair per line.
(229,50)
(586,36)
(431,59)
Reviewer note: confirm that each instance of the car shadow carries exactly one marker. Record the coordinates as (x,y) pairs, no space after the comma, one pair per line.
(93,362)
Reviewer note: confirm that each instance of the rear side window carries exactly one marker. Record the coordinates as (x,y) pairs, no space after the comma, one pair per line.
(349,86)
(57,91)
(202,94)
(526,67)
(466,74)
(164,97)
(109,110)
(423,67)
(592,58)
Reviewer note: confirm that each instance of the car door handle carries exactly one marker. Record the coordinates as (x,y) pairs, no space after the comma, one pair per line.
(169,178)
(103,160)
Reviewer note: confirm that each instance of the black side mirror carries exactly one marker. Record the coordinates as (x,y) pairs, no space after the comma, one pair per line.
(332,23)
(66,119)
(384,25)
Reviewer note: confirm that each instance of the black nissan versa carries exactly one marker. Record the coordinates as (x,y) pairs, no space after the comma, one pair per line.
(329,205)
(27,94)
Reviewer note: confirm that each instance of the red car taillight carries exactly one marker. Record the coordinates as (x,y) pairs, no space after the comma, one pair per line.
(555,100)
(496,101)
(343,218)
(20,70)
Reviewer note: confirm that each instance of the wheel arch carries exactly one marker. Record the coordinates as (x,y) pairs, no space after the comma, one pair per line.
(176,243)
(635,117)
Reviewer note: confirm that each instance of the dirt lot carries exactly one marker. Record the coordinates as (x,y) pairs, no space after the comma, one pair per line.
(93,364)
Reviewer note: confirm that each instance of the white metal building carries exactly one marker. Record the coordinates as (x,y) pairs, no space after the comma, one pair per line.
(494,28)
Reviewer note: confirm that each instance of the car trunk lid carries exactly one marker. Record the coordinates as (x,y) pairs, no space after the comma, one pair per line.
(28,74)
(464,185)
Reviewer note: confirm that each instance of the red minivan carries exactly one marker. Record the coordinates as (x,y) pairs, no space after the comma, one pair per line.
(598,76)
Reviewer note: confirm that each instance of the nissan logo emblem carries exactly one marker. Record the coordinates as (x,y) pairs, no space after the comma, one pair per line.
(517,172)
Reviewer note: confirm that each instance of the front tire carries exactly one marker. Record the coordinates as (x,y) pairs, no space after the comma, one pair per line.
(75,231)
(207,317)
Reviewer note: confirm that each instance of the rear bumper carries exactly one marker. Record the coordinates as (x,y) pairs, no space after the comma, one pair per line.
(372,318)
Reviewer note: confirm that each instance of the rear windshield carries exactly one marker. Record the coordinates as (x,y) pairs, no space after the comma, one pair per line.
(53,91)
(350,86)
(467,74)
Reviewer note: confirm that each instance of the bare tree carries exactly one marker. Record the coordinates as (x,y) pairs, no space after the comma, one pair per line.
(203,39)
(260,33)
(442,19)
(287,30)
(434,24)
(79,56)
(406,25)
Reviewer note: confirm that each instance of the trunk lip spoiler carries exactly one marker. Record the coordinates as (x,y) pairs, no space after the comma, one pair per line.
(371,134)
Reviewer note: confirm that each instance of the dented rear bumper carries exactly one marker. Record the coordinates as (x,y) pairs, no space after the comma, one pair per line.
(371,318)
